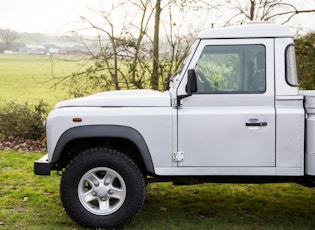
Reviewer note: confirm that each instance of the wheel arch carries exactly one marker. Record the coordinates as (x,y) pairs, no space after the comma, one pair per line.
(99,135)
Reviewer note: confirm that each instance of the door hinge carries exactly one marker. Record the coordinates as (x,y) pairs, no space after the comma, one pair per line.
(178,156)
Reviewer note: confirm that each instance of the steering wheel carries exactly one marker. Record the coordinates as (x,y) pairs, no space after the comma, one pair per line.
(203,84)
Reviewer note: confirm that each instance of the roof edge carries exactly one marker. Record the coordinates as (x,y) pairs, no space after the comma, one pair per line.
(253,30)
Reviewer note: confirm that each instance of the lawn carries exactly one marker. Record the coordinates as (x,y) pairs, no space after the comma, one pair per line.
(28,201)
(30,78)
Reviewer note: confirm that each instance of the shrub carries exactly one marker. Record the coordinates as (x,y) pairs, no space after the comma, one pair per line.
(23,121)
(305,59)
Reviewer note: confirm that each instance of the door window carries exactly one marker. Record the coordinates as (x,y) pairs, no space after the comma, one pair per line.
(232,69)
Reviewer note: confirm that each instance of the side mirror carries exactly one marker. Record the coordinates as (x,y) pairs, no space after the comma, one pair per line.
(191,86)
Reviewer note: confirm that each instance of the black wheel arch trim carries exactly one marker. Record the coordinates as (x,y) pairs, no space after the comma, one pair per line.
(111,131)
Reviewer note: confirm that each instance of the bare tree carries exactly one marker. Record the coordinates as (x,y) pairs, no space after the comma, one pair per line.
(260,10)
(176,42)
(127,50)
(128,37)
(120,51)
(8,36)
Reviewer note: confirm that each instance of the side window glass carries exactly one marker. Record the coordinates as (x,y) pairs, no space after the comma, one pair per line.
(290,66)
(231,69)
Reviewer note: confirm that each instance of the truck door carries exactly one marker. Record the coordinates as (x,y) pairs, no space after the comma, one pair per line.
(230,120)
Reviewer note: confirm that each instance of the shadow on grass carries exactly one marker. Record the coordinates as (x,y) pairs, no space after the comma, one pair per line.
(227,206)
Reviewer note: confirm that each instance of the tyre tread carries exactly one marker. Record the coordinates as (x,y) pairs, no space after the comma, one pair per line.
(94,155)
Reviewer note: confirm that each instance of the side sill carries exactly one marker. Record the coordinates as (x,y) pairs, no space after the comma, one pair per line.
(216,171)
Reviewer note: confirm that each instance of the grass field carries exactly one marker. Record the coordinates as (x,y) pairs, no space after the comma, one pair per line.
(29,78)
(28,201)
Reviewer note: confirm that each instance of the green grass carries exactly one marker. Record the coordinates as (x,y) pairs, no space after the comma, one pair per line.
(28,201)
(29,78)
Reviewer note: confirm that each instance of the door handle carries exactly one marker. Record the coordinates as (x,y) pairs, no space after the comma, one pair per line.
(260,124)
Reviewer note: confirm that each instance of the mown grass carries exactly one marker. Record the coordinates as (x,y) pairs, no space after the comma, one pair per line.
(28,201)
(30,78)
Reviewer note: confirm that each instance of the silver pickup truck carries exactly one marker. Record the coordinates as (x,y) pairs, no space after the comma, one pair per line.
(234,113)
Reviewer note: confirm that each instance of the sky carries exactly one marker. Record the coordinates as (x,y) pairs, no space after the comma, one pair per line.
(61,16)
(44,16)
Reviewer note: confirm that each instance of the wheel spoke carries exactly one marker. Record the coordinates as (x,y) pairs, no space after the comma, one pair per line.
(93,179)
(109,178)
(88,197)
(104,205)
(117,193)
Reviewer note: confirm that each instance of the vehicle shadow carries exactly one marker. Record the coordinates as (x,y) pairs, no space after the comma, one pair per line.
(227,206)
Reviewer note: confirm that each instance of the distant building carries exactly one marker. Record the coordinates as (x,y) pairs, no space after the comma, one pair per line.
(7,51)
(36,50)
(53,51)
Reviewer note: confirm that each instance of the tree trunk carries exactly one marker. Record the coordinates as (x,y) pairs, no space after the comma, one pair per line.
(252,10)
(155,71)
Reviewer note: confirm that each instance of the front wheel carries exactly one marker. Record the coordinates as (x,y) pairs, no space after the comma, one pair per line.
(102,188)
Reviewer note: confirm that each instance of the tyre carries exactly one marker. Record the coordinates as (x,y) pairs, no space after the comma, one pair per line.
(102,188)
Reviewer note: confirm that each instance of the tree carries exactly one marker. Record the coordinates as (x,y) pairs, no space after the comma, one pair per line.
(242,11)
(139,44)
(119,52)
(8,36)
(305,59)
(161,68)
(122,50)
(155,71)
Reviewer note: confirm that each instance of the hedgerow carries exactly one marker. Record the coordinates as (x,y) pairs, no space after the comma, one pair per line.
(23,121)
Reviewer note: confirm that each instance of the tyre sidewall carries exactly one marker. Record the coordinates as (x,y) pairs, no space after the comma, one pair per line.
(116,161)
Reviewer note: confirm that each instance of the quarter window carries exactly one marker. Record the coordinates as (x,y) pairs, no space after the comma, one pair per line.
(290,66)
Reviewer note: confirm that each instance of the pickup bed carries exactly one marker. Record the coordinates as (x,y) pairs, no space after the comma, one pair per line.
(233,113)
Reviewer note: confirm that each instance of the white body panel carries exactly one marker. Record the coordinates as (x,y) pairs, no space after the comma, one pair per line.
(290,135)
(127,98)
(218,137)
(310,132)
(153,123)
(209,130)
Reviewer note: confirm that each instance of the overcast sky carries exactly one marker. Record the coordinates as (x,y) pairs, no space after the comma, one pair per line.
(45,16)
(60,16)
